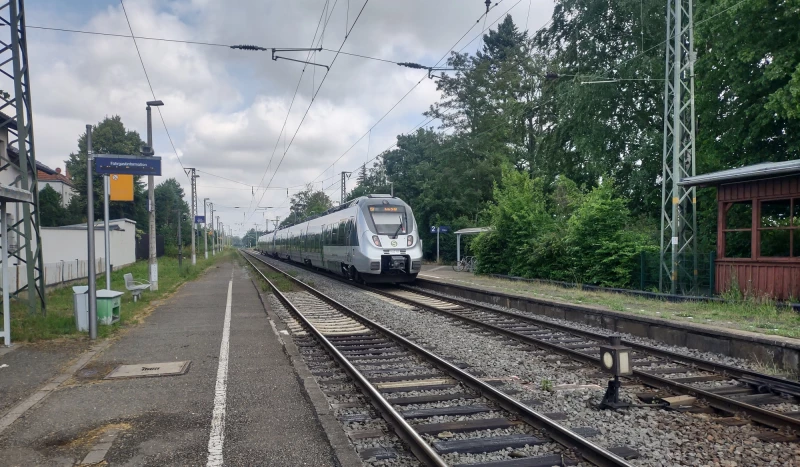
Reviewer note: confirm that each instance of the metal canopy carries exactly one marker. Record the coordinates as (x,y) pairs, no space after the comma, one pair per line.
(467,231)
(472,230)
(10,194)
(741,174)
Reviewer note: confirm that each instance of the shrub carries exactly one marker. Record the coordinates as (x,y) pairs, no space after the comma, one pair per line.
(568,236)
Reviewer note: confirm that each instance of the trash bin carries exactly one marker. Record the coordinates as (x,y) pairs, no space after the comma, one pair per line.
(80,304)
(108,305)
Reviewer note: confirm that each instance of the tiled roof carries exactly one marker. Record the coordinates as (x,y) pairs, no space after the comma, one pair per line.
(56,177)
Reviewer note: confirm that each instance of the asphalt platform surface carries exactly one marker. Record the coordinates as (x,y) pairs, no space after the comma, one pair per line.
(168,420)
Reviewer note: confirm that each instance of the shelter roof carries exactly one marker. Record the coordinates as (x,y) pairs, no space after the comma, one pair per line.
(473,230)
(742,174)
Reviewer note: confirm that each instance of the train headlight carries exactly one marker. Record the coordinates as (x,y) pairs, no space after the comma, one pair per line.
(409,240)
(377,241)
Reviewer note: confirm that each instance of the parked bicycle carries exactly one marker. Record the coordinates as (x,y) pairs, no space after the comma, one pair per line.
(467,263)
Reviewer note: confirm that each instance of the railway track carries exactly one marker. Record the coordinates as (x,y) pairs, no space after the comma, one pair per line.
(745,394)
(438,409)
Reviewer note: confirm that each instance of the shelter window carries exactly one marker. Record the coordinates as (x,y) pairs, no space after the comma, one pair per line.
(738,229)
(779,228)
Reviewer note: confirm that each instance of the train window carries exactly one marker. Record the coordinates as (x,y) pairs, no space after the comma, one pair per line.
(334,234)
(389,220)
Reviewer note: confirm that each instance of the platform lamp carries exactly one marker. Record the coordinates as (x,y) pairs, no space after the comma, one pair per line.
(615,359)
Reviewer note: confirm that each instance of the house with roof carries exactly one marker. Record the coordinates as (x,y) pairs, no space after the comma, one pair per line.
(55,179)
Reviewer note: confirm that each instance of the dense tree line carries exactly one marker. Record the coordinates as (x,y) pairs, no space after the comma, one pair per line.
(111,137)
(555,139)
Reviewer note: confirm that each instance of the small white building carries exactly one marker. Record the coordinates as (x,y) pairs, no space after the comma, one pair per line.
(65,249)
(61,182)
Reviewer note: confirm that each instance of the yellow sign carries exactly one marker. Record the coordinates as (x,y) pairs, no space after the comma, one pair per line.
(121,187)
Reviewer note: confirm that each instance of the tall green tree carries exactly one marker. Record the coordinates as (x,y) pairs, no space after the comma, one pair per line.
(748,83)
(602,109)
(490,95)
(108,137)
(170,207)
(51,211)
(307,203)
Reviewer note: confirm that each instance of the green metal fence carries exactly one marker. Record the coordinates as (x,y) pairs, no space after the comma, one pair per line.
(646,275)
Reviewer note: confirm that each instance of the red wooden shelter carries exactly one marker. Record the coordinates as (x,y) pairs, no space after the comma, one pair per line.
(758,228)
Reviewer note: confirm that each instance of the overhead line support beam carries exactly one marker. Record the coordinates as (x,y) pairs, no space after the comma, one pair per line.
(318,49)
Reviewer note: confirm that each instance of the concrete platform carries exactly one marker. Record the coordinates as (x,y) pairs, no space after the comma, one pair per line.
(782,352)
(261,412)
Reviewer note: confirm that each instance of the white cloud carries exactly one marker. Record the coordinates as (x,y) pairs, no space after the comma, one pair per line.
(225,108)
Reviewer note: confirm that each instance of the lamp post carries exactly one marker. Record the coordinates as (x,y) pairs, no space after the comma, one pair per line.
(151,201)
(214,232)
(205,226)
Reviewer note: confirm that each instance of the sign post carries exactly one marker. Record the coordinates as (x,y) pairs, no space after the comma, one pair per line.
(120,168)
(437,230)
(106,189)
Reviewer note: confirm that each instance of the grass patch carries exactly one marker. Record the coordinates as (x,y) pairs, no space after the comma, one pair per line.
(283,283)
(746,313)
(60,321)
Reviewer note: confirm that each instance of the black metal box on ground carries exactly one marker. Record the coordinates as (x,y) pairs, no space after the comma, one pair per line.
(143,246)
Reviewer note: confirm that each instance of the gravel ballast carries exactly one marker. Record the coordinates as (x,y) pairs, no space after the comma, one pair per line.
(663,438)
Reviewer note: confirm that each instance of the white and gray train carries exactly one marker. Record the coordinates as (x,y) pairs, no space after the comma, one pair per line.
(372,239)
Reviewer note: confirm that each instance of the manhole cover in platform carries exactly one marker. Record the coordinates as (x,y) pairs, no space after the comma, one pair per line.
(149,369)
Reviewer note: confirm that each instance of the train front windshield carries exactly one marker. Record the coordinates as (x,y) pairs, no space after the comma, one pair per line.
(389,220)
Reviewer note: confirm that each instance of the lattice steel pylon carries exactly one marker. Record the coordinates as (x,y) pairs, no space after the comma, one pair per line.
(343,194)
(17,118)
(190,171)
(679,214)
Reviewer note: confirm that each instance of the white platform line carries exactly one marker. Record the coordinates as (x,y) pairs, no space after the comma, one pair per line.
(217,438)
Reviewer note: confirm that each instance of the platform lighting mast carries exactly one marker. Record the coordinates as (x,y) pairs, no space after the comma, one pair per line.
(15,105)
(678,262)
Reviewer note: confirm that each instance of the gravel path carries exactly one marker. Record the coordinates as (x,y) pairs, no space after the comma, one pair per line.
(664,438)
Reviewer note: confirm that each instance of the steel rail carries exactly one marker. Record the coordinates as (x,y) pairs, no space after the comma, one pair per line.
(567,438)
(424,452)
(763,416)
(764,379)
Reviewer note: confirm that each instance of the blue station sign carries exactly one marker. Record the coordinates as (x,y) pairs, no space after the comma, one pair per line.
(132,165)
(441,229)
(199,219)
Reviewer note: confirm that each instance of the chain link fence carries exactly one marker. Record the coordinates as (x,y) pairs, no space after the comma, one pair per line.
(646,275)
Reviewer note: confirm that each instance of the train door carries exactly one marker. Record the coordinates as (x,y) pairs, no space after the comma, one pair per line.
(352,240)
(323,243)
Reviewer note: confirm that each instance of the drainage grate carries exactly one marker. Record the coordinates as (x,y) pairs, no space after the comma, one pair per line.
(149,369)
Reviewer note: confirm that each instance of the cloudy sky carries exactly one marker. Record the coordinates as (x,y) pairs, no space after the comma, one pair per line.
(224,108)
